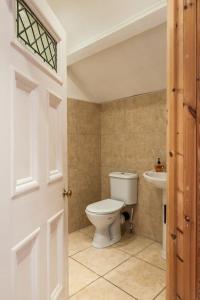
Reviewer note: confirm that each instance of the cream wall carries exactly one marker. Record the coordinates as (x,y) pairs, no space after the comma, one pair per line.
(88,20)
(117,135)
(84,174)
(75,89)
(135,66)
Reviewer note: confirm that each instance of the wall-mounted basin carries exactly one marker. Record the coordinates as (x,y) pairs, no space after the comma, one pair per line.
(159,180)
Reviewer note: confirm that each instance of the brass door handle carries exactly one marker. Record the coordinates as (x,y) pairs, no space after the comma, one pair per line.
(67,193)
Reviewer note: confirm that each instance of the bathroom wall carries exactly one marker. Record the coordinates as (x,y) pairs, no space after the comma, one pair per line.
(84,173)
(133,134)
(121,135)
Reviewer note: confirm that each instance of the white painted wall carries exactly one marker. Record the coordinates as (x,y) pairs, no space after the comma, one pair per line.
(74,91)
(87,20)
(133,67)
(116,48)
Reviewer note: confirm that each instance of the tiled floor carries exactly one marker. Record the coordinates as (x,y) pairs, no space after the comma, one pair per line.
(130,269)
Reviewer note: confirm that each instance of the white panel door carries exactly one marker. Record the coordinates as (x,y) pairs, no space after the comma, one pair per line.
(32,153)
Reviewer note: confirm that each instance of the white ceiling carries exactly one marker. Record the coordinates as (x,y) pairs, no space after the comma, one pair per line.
(115,48)
(88,20)
(135,66)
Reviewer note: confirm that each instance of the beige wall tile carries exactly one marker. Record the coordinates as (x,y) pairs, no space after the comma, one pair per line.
(120,135)
(86,189)
(83,117)
(84,157)
(112,117)
(112,150)
(131,145)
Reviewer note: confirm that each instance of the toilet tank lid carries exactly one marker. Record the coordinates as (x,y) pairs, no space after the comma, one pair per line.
(123,175)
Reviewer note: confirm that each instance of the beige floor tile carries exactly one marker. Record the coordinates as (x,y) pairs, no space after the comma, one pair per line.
(101,290)
(132,244)
(101,260)
(138,278)
(162,296)
(78,242)
(152,254)
(79,277)
(89,230)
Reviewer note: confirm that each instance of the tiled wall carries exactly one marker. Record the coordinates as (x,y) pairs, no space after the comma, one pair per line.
(131,130)
(118,135)
(83,159)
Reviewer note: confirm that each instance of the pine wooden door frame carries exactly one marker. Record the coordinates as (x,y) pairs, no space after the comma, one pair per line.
(183,274)
(198,157)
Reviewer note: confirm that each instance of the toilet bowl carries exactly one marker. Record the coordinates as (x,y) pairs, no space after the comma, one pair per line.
(105,216)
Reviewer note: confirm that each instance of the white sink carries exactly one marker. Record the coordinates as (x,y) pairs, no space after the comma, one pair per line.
(158,179)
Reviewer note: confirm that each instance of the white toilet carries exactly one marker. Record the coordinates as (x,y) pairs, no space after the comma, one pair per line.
(105,214)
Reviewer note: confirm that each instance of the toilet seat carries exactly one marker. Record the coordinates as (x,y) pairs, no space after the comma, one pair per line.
(105,207)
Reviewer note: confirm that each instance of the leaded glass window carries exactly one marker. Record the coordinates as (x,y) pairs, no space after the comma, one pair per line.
(35,36)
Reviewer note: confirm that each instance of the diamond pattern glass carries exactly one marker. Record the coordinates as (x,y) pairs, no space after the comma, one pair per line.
(34,35)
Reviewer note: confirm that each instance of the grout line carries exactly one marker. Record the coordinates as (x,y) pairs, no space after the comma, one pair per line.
(120,288)
(150,264)
(130,256)
(79,251)
(141,259)
(135,255)
(83,288)
(86,234)
(86,267)
(102,276)
(95,271)
(159,293)
(144,249)
(117,266)
(124,251)
(80,230)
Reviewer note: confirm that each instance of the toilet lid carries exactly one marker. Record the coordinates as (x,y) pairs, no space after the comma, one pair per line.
(105,206)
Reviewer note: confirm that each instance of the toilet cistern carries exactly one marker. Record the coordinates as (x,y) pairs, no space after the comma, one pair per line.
(105,214)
